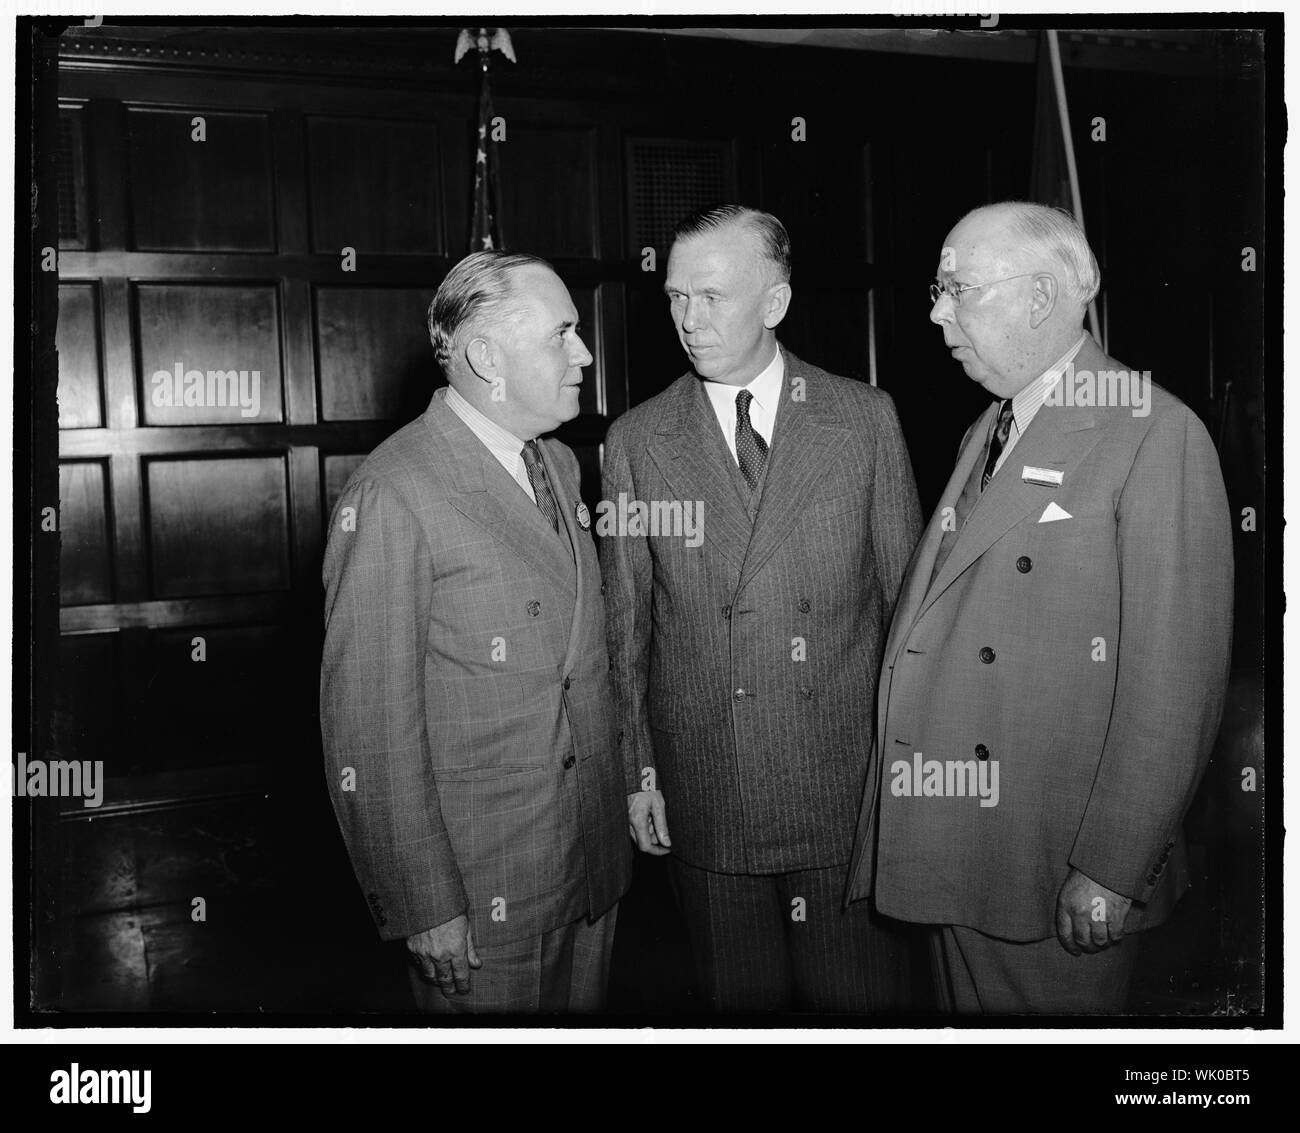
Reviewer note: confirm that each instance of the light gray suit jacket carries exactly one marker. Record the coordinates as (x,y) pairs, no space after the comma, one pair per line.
(1088,657)
(465,682)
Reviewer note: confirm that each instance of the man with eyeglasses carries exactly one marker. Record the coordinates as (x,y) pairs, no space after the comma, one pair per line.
(1056,668)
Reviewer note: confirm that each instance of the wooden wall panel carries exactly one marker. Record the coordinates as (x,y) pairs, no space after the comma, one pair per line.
(86,556)
(213,195)
(374,360)
(234,701)
(830,329)
(218,525)
(74,227)
(201,328)
(820,191)
(81,399)
(375,186)
(548,189)
(88,697)
(337,468)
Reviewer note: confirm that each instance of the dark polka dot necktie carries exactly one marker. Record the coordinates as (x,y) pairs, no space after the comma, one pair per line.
(541,485)
(751,449)
(997,442)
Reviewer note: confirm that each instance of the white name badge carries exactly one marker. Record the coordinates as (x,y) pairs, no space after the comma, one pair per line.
(1046,476)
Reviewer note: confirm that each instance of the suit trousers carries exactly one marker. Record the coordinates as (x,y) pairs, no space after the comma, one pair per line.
(977,974)
(562,971)
(783,942)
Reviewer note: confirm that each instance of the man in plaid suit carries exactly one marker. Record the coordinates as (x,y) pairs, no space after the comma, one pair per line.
(468,725)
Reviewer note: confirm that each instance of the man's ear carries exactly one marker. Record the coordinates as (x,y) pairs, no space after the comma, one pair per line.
(481,356)
(778,302)
(1043,298)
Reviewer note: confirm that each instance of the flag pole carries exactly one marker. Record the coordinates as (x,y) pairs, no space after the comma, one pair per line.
(1058,78)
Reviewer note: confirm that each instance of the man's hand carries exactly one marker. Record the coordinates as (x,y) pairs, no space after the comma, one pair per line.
(446,954)
(1089,917)
(647,822)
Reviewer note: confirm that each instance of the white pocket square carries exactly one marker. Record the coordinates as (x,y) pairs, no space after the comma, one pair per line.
(1053,512)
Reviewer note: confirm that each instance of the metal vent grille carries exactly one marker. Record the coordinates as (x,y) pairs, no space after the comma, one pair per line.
(72,180)
(670,179)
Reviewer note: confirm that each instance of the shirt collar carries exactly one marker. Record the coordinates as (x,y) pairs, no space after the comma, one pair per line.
(765,387)
(1026,404)
(482,426)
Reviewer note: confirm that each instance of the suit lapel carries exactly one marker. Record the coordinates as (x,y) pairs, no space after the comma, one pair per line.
(488,495)
(567,495)
(692,456)
(1058,438)
(805,441)
(917,578)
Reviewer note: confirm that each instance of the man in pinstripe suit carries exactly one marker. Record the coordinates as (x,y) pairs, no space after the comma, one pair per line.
(466,711)
(745,667)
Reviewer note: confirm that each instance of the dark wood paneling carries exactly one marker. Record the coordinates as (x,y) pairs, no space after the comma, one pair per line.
(548,189)
(218,526)
(820,191)
(375,185)
(74,227)
(218,329)
(202,712)
(85,567)
(185,194)
(88,697)
(337,468)
(373,352)
(81,402)
(830,329)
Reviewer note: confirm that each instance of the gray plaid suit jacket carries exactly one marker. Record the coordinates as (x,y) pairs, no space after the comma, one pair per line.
(466,683)
(790,607)
(1099,753)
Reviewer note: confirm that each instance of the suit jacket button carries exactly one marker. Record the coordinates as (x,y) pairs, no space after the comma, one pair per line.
(534,608)
(726,611)
(981,751)
(1024,564)
(740,694)
(611,664)
(602,590)
(1152,878)
(806,692)
(987,655)
(568,761)
(804,605)
(567,682)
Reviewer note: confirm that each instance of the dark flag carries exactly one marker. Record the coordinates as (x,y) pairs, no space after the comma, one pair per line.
(1054,178)
(485,228)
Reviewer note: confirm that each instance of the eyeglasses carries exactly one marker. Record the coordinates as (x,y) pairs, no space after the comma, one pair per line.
(954,293)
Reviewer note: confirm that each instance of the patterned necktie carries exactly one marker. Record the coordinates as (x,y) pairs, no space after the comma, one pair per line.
(541,486)
(751,449)
(997,442)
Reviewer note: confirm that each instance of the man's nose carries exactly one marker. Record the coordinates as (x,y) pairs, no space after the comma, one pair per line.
(941,312)
(581,355)
(692,319)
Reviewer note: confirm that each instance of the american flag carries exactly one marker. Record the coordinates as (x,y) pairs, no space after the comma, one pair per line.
(485,231)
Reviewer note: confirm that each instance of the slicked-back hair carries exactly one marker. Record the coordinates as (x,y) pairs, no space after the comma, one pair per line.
(477,290)
(1052,234)
(773,239)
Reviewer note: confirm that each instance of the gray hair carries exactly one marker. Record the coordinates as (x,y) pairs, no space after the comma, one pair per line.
(477,289)
(773,239)
(1053,234)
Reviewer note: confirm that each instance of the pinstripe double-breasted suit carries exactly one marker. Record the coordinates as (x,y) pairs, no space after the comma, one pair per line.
(465,680)
(745,668)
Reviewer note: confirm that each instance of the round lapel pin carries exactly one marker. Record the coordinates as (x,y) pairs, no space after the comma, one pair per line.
(582,515)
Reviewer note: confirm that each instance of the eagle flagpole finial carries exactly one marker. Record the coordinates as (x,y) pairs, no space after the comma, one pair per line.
(486,40)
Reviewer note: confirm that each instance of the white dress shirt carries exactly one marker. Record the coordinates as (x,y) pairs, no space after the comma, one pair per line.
(1026,404)
(501,443)
(766,390)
